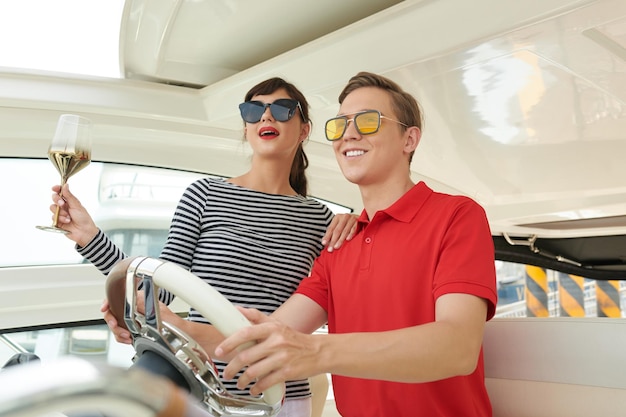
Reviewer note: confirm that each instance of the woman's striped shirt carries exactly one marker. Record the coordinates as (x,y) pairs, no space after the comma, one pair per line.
(252,247)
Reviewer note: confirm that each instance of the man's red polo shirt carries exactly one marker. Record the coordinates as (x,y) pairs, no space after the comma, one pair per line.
(389,276)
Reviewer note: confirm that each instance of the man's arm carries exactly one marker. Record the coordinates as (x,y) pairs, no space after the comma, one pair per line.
(448,347)
(301,313)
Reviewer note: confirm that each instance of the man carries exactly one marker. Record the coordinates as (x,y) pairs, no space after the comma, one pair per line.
(406,300)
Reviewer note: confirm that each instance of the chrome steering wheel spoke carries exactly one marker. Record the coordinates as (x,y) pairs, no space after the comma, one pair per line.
(151,335)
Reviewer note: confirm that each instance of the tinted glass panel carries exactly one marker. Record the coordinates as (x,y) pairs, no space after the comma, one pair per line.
(530,291)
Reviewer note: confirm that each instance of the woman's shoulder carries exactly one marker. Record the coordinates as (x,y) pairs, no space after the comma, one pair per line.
(312,202)
(317,206)
(200,189)
(206,183)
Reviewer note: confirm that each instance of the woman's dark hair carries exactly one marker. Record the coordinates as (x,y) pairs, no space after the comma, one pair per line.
(297,177)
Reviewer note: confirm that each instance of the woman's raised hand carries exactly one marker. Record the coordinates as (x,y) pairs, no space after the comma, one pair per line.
(73,217)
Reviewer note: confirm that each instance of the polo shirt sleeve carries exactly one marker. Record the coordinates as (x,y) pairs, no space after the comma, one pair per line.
(467,261)
(315,286)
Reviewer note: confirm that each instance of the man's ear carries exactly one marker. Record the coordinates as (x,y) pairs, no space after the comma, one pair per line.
(413,135)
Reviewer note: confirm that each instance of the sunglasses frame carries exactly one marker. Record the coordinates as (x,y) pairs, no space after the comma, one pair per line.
(293,106)
(355,115)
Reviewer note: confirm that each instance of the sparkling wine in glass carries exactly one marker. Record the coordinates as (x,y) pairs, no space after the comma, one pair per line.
(69,152)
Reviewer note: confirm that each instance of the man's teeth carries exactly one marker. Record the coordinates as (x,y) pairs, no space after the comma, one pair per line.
(355,153)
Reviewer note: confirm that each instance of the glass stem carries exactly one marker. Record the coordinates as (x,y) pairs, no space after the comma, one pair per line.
(55,223)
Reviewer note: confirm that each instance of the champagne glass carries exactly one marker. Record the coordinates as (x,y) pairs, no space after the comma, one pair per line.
(69,152)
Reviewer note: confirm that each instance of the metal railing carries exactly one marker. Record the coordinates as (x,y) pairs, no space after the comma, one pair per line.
(73,385)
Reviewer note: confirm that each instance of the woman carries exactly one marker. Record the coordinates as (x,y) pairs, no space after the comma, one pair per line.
(252,237)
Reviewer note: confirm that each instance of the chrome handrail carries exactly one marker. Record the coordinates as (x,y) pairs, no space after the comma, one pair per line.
(74,385)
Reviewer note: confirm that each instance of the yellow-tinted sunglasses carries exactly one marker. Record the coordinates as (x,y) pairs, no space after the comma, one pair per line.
(366,122)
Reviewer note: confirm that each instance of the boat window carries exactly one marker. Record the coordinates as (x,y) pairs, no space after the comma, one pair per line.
(132,204)
(90,341)
(531,291)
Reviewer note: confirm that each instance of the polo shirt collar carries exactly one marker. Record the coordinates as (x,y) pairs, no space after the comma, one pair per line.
(405,208)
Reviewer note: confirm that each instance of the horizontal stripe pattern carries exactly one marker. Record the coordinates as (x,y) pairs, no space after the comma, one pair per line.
(252,247)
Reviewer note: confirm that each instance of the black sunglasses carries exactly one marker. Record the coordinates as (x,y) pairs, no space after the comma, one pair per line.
(282,110)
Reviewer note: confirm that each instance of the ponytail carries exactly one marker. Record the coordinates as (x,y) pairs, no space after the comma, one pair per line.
(297,177)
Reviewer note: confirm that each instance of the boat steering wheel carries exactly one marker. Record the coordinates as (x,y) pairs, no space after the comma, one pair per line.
(163,349)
